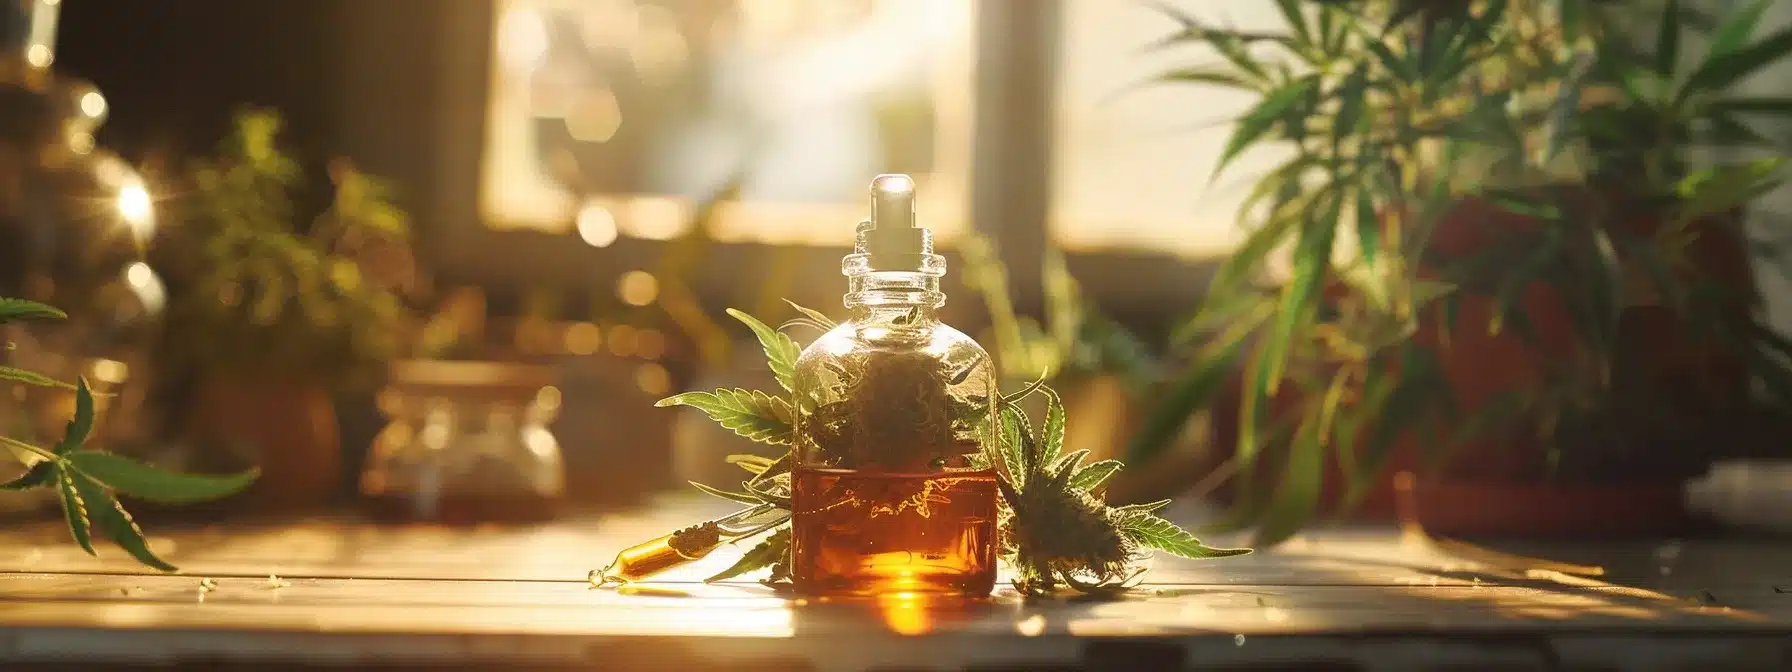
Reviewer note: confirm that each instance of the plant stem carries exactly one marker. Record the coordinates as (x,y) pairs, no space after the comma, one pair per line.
(21,445)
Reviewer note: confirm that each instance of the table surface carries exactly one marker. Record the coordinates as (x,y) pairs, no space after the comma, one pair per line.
(335,591)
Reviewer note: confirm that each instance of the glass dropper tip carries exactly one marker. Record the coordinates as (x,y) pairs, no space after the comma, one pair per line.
(892,185)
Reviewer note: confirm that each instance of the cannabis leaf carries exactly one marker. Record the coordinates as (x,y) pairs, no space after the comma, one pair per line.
(1148,507)
(82,424)
(86,479)
(1147,529)
(780,350)
(1068,463)
(821,320)
(750,413)
(1093,475)
(149,483)
(1014,423)
(12,375)
(766,553)
(1054,427)
(12,310)
(39,475)
(109,518)
(754,464)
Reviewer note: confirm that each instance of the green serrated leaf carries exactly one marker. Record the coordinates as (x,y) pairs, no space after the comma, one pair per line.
(1149,530)
(1255,123)
(750,413)
(1725,69)
(12,310)
(1667,39)
(1351,95)
(754,464)
(819,317)
(1297,497)
(1367,417)
(39,475)
(778,467)
(1092,476)
(741,497)
(1052,440)
(1762,105)
(1735,29)
(1253,416)
(1368,228)
(781,351)
(110,519)
(1015,426)
(1147,507)
(1248,258)
(144,481)
(1721,188)
(82,424)
(1068,462)
(765,554)
(1195,389)
(1297,20)
(74,510)
(1312,264)
(1208,76)
(13,375)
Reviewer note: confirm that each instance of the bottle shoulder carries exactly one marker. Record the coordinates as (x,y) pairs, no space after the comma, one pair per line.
(854,348)
(853,338)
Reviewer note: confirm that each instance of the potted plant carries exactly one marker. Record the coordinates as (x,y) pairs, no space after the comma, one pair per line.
(267,316)
(1497,231)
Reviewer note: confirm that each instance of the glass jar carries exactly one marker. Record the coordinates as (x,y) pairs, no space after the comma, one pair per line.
(893,489)
(468,442)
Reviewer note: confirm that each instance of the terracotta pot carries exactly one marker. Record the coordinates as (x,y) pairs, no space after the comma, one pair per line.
(1654,344)
(1500,485)
(1655,348)
(286,428)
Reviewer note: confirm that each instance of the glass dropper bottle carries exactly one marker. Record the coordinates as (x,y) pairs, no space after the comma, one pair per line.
(892,490)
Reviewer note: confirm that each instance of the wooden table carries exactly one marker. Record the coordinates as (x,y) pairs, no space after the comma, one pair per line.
(349,594)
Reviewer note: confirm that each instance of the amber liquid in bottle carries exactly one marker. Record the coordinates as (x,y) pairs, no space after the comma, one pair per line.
(865,533)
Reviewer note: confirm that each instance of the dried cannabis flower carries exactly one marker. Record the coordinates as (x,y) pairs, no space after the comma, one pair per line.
(898,413)
(1056,528)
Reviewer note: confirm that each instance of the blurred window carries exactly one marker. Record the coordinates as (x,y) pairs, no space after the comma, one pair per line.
(611,118)
(1132,159)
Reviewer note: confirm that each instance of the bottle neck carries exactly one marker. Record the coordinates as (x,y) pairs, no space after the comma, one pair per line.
(894,292)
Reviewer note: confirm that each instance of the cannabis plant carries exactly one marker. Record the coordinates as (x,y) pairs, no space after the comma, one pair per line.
(1054,524)
(1452,154)
(257,289)
(87,479)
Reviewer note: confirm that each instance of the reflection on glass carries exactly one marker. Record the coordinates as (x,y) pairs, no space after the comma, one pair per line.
(597,105)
